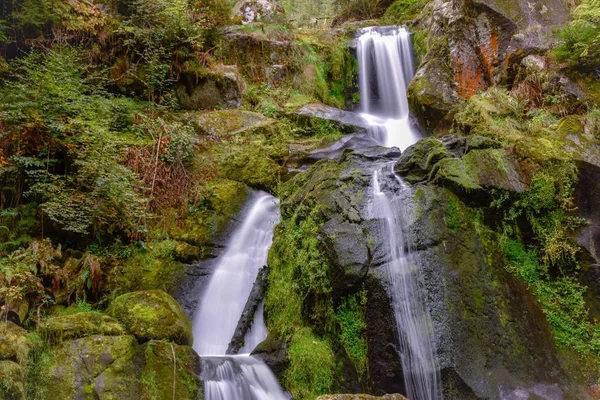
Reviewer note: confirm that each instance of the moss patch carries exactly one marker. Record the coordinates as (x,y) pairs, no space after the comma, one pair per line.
(57,329)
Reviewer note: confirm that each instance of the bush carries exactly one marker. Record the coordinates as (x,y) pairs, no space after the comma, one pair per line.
(580,46)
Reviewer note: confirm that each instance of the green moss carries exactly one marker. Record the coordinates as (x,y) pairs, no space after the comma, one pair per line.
(57,329)
(152,314)
(312,366)
(351,316)
(452,217)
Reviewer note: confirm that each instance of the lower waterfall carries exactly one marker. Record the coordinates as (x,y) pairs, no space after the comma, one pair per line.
(242,376)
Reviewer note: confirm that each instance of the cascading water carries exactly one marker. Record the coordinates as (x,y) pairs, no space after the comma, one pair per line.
(420,369)
(386,67)
(242,376)
(385,70)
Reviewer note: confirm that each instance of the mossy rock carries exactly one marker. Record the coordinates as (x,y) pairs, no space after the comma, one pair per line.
(79,325)
(252,165)
(148,373)
(417,161)
(237,123)
(13,341)
(12,381)
(153,314)
(186,253)
(224,200)
(209,89)
(75,364)
(146,271)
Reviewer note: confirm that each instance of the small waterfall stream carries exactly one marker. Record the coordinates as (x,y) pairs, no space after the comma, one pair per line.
(385,70)
(242,376)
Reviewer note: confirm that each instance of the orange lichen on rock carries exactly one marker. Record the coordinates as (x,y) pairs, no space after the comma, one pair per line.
(489,54)
(469,78)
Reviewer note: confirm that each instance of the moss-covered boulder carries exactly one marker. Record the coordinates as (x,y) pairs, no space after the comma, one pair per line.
(416,162)
(74,326)
(186,253)
(155,370)
(317,117)
(467,165)
(74,365)
(13,341)
(200,91)
(152,314)
(12,381)
(233,123)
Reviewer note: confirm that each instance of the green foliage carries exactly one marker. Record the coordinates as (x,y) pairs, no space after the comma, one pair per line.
(452,218)
(299,271)
(303,13)
(312,366)
(351,316)
(403,10)
(60,134)
(39,358)
(580,46)
(561,299)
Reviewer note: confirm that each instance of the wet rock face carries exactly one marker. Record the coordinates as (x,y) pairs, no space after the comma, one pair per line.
(477,43)
(492,337)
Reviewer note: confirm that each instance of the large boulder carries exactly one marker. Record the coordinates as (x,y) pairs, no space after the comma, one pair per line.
(13,342)
(152,314)
(148,372)
(477,43)
(116,367)
(233,123)
(73,365)
(268,11)
(314,117)
(200,91)
(74,326)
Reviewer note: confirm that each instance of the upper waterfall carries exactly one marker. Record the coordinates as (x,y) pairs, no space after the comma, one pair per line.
(386,67)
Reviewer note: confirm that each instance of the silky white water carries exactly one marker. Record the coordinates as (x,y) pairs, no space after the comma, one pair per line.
(415,332)
(222,303)
(386,67)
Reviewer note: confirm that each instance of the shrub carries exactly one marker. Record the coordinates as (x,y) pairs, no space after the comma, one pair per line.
(580,46)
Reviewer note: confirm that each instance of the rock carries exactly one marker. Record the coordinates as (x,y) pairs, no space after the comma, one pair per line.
(361,397)
(186,253)
(234,123)
(13,342)
(224,200)
(477,43)
(75,364)
(267,11)
(17,311)
(416,162)
(147,372)
(274,353)
(221,88)
(468,166)
(57,329)
(312,116)
(256,296)
(476,305)
(535,62)
(12,381)
(258,56)
(152,314)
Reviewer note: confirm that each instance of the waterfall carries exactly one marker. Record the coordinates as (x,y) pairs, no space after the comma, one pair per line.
(413,324)
(385,70)
(222,303)
(386,67)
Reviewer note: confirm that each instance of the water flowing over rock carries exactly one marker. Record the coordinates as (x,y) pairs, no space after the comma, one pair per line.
(223,303)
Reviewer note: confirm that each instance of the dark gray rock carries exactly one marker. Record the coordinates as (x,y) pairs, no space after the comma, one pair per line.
(311,117)
(273,352)
(247,318)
